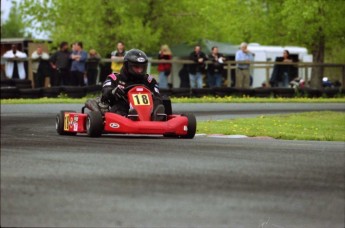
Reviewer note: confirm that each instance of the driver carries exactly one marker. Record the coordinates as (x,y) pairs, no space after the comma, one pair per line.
(132,72)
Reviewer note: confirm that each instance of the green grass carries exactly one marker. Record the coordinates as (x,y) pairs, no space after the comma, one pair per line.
(206,99)
(320,126)
(245,99)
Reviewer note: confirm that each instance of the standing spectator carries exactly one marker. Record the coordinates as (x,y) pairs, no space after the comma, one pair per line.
(196,70)
(184,77)
(243,68)
(79,57)
(60,63)
(215,69)
(14,65)
(40,66)
(92,63)
(117,57)
(164,69)
(282,74)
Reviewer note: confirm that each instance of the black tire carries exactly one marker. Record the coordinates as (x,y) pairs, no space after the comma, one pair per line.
(74,91)
(9,92)
(191,126)
(59,123)
(51,91)
(94,124)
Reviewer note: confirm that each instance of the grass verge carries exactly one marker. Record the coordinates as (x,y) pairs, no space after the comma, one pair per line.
(319,126)
(206,99)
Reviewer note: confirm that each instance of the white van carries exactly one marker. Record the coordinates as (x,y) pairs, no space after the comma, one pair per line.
(269,54)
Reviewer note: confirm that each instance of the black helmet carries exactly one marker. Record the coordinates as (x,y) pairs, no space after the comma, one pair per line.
(133,59)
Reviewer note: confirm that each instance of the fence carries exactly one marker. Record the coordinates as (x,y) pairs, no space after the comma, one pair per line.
(268,66)
(24,88)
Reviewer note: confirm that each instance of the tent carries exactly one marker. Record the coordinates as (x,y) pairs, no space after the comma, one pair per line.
(183,50)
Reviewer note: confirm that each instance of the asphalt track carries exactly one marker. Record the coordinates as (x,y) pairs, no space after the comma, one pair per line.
(120,181)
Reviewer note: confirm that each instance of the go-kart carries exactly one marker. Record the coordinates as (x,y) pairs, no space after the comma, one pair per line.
(139,120)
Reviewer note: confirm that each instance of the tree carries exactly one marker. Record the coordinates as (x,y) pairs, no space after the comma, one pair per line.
(13,26)
(146,24)
(317,25)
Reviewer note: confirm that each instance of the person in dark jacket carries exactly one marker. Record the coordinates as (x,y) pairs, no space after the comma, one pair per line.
(184,76)
(132,72)
(196,70)
(282,74)
(215,69)
(60,63)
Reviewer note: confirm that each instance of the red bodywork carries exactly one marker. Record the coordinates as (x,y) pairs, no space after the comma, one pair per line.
(140,99)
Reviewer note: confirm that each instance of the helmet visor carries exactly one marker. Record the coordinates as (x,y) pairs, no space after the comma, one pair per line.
(137,68)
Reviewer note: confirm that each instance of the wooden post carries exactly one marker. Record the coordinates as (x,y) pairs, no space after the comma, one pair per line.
(306,77)
(229,74)
(342,79)
(267,74)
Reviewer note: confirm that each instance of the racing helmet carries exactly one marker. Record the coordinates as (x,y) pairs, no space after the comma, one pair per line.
(135,63)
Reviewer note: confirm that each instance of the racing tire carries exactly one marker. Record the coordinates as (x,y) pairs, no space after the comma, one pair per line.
(94,124)
(59,123)
(191,126)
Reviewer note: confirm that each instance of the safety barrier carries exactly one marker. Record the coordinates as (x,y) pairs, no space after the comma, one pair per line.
(22,89)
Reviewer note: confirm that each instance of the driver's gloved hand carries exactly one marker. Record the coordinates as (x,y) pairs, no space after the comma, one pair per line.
(118,93)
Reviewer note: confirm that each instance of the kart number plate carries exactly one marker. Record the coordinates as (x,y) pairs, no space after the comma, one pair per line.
(141,99)
(66,122)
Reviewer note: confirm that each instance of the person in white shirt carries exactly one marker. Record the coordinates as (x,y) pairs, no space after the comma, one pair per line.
(14,63)
(40,66)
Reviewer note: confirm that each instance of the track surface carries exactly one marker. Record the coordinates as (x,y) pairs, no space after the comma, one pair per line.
(54,181)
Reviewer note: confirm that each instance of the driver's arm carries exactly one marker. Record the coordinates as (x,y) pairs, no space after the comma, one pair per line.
(109,84)
(153,85)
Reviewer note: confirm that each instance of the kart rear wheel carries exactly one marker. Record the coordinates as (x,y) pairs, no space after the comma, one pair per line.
(94,124)
(191,126)
(59,123)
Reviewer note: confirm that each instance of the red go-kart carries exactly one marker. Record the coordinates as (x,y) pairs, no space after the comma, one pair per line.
(94,124)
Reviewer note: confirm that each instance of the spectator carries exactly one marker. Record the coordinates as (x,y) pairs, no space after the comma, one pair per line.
(117,57)
(105,69)
(60,63)
(196,70)
(243,68)
(14,63)
(92,63)
(164,69)
(215,69)
(282,74)
(40,66)
(184,77)
(79,57)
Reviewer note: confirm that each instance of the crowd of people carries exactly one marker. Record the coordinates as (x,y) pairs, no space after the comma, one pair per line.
(73,66)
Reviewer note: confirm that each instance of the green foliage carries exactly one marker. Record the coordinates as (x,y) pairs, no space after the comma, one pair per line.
(321,126)
(14,26)
(147,24)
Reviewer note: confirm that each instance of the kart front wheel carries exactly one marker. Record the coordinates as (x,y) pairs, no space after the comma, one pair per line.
(191,126)
(59,123)
(94,124)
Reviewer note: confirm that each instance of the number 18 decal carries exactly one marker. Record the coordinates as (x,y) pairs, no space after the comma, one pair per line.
(141,99)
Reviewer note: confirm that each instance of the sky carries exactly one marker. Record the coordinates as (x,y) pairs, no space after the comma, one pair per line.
(6,8)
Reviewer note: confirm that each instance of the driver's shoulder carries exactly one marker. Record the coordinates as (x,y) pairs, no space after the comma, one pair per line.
(150,79)
(116,77)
